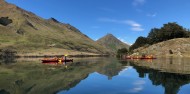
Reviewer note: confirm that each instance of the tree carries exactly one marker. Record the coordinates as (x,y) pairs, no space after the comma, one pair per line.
(169,31)
(141,41)
(154,36)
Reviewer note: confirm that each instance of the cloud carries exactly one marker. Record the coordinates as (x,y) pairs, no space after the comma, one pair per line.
(124,41)
(137,29)
(134,25)
(152,14)
(138,2)
(138,86)
(136,89)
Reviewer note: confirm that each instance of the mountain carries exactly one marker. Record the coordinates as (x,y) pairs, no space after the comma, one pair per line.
(112,43)
(26,32)
(179,47)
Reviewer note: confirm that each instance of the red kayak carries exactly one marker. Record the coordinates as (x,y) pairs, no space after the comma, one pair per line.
(140,57)
(56,60)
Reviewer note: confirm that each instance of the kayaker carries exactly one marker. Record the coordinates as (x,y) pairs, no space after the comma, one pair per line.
(60,61)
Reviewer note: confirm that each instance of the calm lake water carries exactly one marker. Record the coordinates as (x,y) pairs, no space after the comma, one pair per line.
(97,76)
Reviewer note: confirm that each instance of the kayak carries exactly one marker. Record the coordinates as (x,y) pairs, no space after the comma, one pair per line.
(140,57)
(56,60)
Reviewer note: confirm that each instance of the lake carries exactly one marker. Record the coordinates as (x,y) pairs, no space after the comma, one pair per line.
(96,76)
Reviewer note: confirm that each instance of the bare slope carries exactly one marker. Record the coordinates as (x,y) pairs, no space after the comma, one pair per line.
(179,47)
(26,32)
(112,43)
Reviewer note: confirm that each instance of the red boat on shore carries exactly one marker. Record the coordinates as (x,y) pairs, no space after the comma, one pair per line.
(141,58)
(56,60)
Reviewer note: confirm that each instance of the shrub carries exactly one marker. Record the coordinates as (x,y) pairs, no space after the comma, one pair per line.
(5,21)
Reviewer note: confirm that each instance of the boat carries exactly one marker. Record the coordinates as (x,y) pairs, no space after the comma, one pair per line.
(142,57)
(56,60)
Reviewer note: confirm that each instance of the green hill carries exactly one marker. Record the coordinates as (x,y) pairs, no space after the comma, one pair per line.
(25,32)
(112,43)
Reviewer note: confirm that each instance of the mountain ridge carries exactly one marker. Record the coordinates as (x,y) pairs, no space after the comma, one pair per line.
(28,33)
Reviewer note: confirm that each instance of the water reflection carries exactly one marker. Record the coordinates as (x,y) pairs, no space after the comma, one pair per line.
(170,65)
(171,73)
(104,74)
(36,78)
(7,60)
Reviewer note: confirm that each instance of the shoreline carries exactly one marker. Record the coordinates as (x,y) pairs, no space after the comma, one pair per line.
(77,55)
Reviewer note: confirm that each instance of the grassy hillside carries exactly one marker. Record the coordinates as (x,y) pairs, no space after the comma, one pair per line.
(29,33)
(179,47)
(111,43)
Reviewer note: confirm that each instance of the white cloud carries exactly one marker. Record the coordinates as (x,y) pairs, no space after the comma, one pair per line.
(138,86)
(136,89)
(152,14)
(138,2)
(134,25)
(137,29)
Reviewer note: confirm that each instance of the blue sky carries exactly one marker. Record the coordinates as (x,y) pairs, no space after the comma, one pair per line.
(126,19)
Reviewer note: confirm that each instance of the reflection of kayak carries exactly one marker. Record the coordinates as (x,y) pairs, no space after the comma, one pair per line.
(56,60)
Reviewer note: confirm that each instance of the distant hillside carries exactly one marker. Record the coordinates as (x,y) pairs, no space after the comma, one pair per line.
(25,32)
(179,47)
(112,43)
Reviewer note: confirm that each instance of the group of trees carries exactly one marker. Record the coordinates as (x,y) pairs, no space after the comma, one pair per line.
(122,51)
(167,32)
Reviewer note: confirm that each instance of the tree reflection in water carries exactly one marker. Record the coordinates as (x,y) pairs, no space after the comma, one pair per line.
(166,76)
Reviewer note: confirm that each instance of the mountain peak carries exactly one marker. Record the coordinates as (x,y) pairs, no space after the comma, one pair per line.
(109,35)
(112,43)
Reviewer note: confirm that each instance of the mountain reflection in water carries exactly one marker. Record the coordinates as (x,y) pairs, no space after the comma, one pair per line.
(97,76)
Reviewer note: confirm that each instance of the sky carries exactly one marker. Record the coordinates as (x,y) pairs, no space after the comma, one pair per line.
(125,19)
